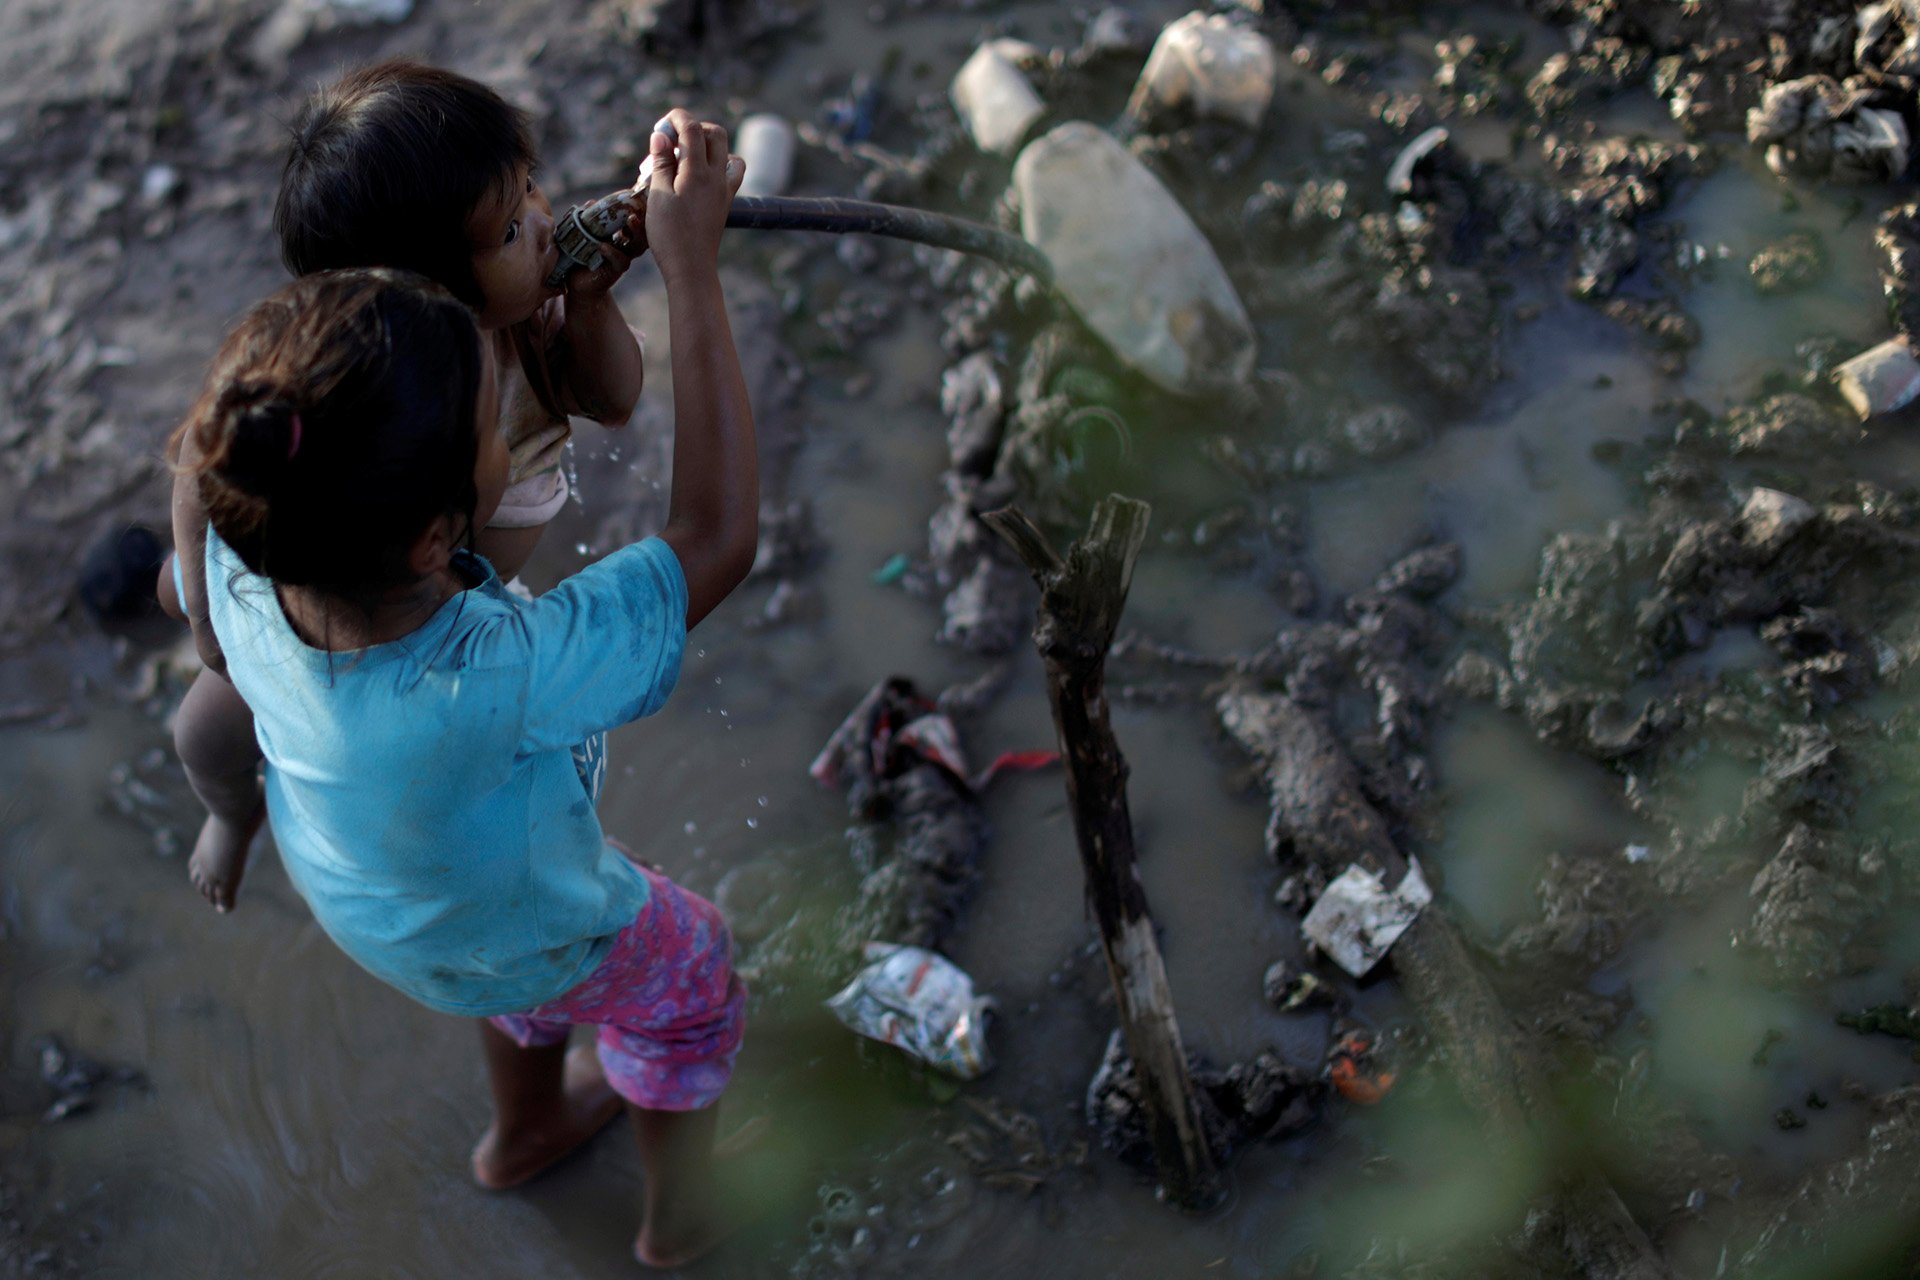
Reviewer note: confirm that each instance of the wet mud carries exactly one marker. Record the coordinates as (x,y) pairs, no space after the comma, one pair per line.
(1539,546)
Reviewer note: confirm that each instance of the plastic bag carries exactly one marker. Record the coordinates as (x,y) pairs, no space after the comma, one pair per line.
(919,1001)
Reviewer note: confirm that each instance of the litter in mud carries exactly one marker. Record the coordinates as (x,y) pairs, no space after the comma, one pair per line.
(1880,379)
(994,98)
(1131,262)
(922,1003)
(1357,918)
(1356,1068)
(1211,65)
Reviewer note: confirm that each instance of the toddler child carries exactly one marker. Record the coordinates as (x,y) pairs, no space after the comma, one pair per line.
(421,725)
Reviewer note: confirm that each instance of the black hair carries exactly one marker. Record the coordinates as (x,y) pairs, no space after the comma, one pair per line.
(337,423)
(388,164)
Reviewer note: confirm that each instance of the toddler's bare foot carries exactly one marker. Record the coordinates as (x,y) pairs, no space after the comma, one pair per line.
(587,1104)
(220,859)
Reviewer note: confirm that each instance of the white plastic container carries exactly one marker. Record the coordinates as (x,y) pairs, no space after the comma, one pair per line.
(1216,66)
(994,98)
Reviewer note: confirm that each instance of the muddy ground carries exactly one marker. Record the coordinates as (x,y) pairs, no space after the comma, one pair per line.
(1539,546)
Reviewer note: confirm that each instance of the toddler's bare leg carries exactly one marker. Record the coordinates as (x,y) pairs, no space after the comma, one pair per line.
(213,732)
(547,1101)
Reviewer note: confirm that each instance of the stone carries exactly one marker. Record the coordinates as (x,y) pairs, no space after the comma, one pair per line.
(995,101)
(1771,517)
(1788,264)
(1212,65)
(1131,263)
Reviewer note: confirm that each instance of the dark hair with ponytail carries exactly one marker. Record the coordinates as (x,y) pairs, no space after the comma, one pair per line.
(336,424)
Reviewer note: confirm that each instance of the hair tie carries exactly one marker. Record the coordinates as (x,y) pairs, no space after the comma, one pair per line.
(293,438)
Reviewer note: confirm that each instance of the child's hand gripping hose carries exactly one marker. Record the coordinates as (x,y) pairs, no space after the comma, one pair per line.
(584,228)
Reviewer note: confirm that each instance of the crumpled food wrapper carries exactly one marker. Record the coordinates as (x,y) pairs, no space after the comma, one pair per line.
(919,1001)
(1357,919)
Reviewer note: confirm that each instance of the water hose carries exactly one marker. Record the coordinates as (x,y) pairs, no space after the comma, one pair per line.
(582,229)
(580,246)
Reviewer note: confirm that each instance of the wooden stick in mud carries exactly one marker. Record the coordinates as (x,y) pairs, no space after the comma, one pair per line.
(1081,598)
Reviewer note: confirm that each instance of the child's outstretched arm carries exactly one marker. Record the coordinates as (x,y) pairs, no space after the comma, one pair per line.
(713,515)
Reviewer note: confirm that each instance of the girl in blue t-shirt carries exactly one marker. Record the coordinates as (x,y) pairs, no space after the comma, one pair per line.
(402,164)
(429,736)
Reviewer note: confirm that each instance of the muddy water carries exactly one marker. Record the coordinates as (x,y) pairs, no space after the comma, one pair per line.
(297,1119)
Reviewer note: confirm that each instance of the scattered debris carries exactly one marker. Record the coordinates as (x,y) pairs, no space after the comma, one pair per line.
(1263,1099)
(1287,988)
(1880,379)
(1355,1067)
(1132,263)
(994,99)
(1211,65)
(921,1003)
(767,143)
(1358,918)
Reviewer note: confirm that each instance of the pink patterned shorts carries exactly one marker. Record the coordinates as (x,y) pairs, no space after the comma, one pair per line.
(670,1010)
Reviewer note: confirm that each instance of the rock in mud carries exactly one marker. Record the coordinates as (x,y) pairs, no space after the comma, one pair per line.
(74,1079)
(972,397)
(1383,431)
(1819,128)
(989,610)
(1131,262)
(1887,38)
(1790,264)
(1806,911)
(1586,909)
(1849,1207)
(1612,183)
(1422,574)
(1771,517)
(1261,1099)
(1787,422)
(1898,1020)
(1583,79)
(1210,65)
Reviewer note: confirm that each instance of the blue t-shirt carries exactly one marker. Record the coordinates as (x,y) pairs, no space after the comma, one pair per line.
(424,793)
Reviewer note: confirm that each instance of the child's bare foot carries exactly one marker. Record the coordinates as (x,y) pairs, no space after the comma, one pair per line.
(693,1242)
(587,1104)
(219,859)
(698,1233)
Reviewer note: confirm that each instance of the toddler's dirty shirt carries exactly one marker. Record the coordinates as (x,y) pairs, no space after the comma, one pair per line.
(423,793)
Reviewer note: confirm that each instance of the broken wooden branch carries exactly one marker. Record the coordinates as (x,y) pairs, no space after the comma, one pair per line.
(1081,598)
